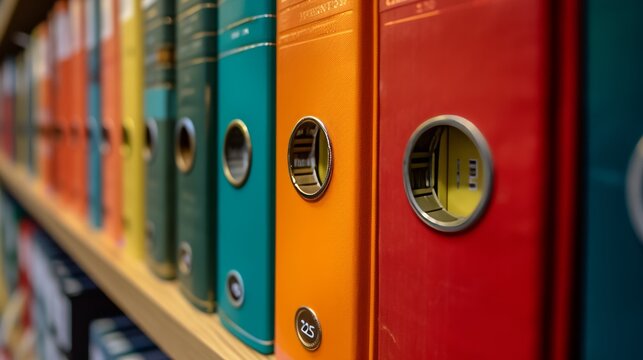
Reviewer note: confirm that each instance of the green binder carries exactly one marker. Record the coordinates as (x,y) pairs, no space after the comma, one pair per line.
(195,150)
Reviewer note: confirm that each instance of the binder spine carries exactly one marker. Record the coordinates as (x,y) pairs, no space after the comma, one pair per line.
(325,88)
(63,101)
(246,93)
(131,22)
(195,150)
(111,133)
(160,116)
(94,119)
(78,138)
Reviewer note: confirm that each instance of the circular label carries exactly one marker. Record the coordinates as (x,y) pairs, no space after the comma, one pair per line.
(234,288)
(308,328)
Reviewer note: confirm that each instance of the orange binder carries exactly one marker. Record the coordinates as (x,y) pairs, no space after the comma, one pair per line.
(111,111)
(63,101)
(325,179)
(44,107)
(78,118)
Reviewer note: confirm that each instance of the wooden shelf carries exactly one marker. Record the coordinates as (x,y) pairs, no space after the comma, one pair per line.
(19,17)
(155,305)
(7,8)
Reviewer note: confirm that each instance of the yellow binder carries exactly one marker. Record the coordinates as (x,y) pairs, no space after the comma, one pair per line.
(131,19)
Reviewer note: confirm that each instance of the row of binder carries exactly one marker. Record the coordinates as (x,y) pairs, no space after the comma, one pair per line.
(63,315)
(419,179)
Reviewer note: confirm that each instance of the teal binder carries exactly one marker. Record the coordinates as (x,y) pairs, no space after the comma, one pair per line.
(612,295)
(94,121)
(160,115)
(245,177)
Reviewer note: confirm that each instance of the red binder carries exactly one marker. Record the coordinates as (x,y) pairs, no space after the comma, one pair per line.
(498,289)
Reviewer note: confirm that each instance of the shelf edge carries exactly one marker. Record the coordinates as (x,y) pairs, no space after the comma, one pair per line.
(128,282)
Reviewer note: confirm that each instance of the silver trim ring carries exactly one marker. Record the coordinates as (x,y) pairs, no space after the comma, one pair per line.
(185,258)
(472,132)
(311,196)
(634,189)
(236,124)
(184,162)
(151,139)
(105,141)
(126,140)
(150,231)
(235,303)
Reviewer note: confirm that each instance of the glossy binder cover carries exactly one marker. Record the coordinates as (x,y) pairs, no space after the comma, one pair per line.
(246,74)
(63,99)
(79,79)
(111,119)
(93,116)
(160,115)
(8,107)
(4,110)
(21,110)
(131,22)
(612,314)
(562,332)
(501,288)
(196,184)
(326,68)
(52,66)
(3,120)
(44,105)
(39,57)
(32,100)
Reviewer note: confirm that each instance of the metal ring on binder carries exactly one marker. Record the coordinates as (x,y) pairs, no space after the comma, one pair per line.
(428,174)
(310,158)
(237,153)
(105,145)
(126,145)
(235,289)
(151,139)
(634,189)
(150,235)
(184,145)
(184,260)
